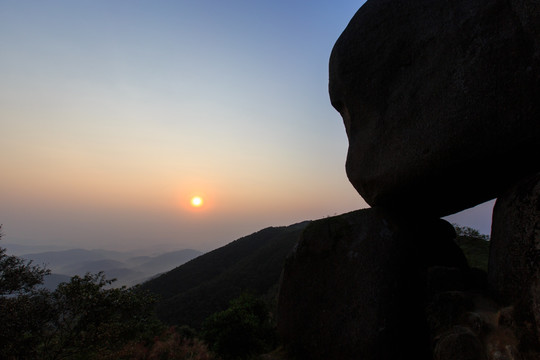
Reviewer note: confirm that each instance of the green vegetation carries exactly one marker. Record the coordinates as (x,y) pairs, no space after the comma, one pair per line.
(81,319)
(205,285)
(244,329)
(171,344)
(86,315)
(23,309)
(474,245)
(85,318)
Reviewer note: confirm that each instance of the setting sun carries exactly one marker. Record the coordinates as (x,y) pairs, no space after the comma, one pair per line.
(196,201)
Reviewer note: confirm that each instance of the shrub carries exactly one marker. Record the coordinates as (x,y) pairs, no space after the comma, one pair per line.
(474,245)
(81,319)
(171,345)
(242,330)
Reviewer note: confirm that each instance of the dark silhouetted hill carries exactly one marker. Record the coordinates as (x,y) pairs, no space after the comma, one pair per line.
(206,284)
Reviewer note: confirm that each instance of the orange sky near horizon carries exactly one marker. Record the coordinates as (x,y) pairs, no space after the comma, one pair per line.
(113,115)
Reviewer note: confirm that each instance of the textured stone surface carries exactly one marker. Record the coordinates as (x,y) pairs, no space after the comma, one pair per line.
(459,343)
(440,100)
(356,283)
(514,260)
(528,12)
(445,309)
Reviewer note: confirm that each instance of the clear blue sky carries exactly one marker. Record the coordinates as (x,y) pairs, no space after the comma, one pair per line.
(113,114)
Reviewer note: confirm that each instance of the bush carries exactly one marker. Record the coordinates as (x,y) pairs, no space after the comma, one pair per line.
(242,330)
(23,309)
(171,345)
(90,319)
(474,245)
(81,319)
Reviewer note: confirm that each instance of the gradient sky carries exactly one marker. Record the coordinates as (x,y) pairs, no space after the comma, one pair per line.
(114,113)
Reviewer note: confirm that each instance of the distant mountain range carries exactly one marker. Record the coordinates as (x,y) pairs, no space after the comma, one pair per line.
(126,268)
(206,284)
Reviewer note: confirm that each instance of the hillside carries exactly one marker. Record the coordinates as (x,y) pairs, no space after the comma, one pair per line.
(206,284)
(476,251)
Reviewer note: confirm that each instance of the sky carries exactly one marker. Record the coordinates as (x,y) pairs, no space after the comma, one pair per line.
(115,113)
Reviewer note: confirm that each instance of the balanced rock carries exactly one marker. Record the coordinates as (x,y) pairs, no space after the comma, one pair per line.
(440,100)
(355,287)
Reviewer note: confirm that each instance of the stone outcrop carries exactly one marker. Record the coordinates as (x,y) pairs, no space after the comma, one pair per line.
(459,343)
(365,285)
(514,263)
(441,105)
(439,99)
(357,282)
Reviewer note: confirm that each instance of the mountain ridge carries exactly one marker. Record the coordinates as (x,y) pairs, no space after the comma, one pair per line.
(204,285)
(129,270)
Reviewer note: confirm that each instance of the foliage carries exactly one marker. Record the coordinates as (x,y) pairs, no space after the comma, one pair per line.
(242,330)
(171,345)
(18,276)
(91,319)
(465,231)
(22,325)
(79,320)
(23,308)
(474,245)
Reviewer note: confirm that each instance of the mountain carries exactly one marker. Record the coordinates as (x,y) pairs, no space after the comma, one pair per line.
(58,260)
(19,249)
(51,281)
(92,266)
(126,268)
(206,284)
(163,262)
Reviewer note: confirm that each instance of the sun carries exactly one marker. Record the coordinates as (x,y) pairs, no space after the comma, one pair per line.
(196,201)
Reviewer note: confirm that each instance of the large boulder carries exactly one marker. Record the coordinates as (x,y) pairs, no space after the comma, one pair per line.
(440,100)
(514,259)
(355,287)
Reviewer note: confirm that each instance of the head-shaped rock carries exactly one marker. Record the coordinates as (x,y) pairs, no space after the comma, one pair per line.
(440,100)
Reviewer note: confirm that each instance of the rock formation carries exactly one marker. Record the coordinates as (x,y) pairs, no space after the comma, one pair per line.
(514,263)
(352,286)
(439,99)
(441,105)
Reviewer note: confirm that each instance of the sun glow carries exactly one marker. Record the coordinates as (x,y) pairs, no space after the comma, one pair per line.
(196,201)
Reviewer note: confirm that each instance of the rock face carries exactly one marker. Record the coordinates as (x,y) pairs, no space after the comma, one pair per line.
(440,99)
(441,104)
(460,343)
(357,282)
(514,263)
(367,286)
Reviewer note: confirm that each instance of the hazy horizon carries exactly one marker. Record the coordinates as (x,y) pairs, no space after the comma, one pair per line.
(114,114)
